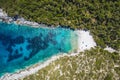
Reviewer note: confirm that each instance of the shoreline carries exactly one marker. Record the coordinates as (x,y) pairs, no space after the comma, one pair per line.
(30,69)
(21,21)
(35,67)
(85,42)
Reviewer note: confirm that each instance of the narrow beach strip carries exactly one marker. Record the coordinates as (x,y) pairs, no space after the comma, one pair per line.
(85,42)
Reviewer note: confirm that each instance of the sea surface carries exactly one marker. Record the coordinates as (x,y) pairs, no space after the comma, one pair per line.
(23,45)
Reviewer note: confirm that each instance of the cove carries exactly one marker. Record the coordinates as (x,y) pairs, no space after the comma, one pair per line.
(23,45)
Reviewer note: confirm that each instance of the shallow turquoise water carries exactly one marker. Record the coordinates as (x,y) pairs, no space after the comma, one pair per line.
(22,46)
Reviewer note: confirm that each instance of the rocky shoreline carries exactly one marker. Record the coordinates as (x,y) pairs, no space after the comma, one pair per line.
(85,41)
(21,21)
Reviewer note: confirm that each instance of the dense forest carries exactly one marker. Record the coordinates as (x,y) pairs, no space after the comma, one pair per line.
(101,17)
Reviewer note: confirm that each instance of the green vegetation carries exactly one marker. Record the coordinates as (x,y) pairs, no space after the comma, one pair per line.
(101,17)
(96,64)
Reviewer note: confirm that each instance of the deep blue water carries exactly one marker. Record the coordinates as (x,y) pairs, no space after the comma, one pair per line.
(22,46)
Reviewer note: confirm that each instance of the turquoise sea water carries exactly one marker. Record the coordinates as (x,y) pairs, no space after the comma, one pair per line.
(22,46)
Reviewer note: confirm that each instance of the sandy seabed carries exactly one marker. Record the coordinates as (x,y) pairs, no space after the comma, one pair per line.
(85,42)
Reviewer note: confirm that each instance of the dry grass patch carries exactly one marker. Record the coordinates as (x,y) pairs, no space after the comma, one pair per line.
(96,64)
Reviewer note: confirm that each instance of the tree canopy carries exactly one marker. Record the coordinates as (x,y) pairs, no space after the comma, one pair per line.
(101,17)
